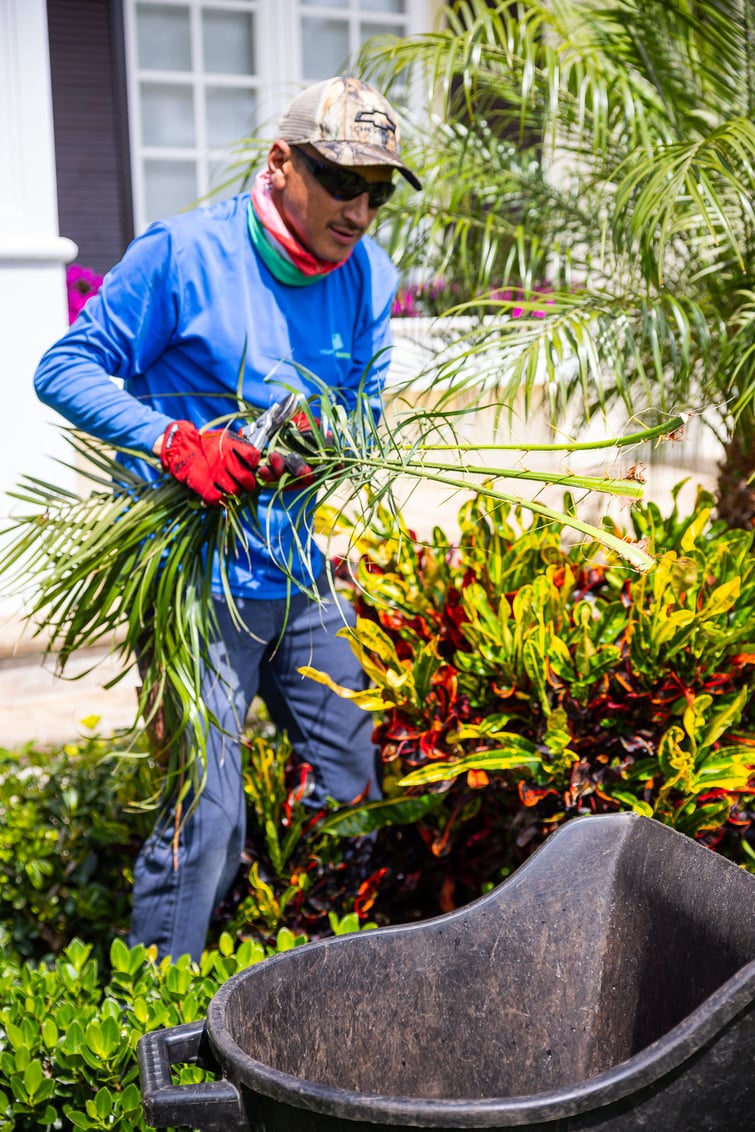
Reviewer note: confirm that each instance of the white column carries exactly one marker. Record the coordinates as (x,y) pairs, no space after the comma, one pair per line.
(33,255)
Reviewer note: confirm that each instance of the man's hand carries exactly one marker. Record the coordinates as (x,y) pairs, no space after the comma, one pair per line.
(295,467)
(300,473)
(213,463)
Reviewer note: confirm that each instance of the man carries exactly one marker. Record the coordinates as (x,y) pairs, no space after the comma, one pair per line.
(287,284)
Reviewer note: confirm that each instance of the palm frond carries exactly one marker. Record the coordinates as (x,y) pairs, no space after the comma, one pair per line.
(606,151)
(131,563)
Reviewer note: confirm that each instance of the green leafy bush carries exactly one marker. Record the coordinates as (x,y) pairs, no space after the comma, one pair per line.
(526,681)
(71,827)
(68,837)
(68,1041)
(517,681)
(72,1010)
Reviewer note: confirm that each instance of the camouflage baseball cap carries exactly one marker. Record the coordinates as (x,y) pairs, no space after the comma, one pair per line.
(348,122)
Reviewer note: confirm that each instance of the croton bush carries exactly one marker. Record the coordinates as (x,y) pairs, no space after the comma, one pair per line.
(520,681)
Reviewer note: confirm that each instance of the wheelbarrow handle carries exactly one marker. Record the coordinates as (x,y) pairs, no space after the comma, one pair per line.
(210,1106)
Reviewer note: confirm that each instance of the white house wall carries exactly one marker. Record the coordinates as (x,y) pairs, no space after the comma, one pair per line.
(33,309)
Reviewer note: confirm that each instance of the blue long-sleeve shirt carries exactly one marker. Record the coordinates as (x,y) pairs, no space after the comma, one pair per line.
(189,303)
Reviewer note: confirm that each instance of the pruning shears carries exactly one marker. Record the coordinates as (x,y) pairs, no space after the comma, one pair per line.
(259,431)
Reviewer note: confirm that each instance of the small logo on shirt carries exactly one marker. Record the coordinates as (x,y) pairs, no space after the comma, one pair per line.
(337,347)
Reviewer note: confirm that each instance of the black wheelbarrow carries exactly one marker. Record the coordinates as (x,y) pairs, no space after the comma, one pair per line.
(608,984)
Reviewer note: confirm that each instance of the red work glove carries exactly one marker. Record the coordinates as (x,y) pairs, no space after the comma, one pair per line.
(296,467)
(278,465)
(213,463)
(301,422)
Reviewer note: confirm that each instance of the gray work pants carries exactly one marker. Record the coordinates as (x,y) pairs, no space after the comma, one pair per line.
(172,906)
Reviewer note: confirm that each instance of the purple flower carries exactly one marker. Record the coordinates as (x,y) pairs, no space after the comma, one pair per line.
(81,283)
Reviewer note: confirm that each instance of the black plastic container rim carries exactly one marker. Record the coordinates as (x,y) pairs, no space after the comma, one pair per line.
(647,1066)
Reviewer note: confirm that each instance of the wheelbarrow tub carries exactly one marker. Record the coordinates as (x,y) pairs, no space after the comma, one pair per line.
(607,984)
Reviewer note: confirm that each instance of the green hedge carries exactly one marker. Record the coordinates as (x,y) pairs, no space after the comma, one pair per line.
(68,839)
(68,1057)
(68,1039)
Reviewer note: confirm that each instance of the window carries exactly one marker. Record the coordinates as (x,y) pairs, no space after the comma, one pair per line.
(193,90)
(204,73)
(331,34)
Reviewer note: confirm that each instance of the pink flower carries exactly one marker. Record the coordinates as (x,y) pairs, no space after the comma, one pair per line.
(405,305)
(81,283)
(438,295)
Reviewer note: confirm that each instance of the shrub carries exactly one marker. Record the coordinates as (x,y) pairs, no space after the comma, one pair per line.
(523,682)
(517,681)
(67,842)
(68,1042)
(72,1010)
(70,830)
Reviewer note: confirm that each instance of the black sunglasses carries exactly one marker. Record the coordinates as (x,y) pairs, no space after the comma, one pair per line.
(344,184)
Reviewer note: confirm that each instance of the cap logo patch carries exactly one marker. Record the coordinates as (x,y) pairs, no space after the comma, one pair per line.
(376,118)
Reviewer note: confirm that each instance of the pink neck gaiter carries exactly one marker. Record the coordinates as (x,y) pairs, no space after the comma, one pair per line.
(272,221)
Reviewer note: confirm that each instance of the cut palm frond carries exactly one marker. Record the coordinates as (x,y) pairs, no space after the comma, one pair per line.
(131,563)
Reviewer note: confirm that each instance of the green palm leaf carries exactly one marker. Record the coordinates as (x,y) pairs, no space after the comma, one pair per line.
(130,564)
(608,152)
